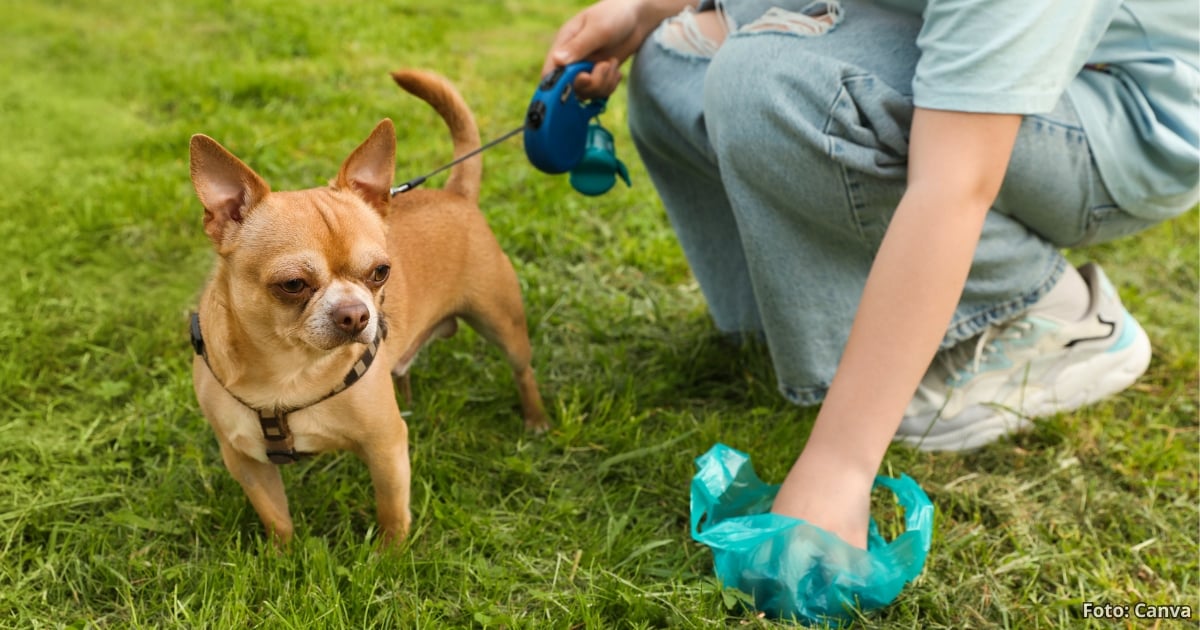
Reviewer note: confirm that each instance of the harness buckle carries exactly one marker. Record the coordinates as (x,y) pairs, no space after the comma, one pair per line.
(281,458)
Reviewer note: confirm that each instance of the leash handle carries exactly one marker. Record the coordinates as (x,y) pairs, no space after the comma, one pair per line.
(556,123)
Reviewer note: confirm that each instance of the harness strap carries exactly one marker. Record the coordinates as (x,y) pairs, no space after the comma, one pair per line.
(281,447)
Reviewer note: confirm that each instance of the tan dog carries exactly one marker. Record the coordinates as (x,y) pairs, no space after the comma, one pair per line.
(316,293)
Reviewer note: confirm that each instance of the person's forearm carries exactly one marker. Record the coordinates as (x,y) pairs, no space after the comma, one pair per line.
(909,298)
(652,12)
(663,9)
(910,293)
(915,282)
(956,164)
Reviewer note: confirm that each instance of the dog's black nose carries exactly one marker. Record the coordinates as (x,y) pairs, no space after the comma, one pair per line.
(351,317)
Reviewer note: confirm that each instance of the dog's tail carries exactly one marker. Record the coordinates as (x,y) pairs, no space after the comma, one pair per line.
(440,93)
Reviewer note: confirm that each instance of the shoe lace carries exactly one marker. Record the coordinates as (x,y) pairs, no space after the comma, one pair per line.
(964,360)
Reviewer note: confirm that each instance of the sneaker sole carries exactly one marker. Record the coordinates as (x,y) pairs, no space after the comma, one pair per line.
(1117,369)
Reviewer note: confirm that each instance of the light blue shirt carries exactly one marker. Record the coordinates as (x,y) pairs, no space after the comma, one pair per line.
(1131,69)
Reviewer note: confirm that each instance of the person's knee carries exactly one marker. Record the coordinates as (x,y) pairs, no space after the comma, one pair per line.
(702,33)
(814,107)
(750,98)
(694,34)
(663,95)
(674,71)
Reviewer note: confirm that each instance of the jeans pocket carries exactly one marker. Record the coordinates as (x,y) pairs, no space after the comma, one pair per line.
(867,137)
(1109,222)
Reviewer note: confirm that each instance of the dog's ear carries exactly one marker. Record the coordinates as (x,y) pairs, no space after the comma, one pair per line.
(369,169)
(227,188)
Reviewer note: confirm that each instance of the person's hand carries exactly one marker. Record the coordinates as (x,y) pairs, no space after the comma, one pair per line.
(829,494)
(606,33)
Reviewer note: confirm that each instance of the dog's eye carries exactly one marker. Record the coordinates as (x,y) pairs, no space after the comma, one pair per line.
(380,274)
(295,285)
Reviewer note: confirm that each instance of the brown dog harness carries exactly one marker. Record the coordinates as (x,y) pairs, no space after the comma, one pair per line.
(280,444)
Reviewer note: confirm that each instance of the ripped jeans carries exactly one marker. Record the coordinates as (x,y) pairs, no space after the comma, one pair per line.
(781,153)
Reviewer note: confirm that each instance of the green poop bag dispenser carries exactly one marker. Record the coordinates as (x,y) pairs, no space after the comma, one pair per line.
(597,172)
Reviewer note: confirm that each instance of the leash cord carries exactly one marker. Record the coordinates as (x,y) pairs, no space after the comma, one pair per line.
(413,183)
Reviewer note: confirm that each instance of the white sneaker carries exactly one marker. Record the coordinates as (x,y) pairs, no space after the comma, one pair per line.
(1037,365)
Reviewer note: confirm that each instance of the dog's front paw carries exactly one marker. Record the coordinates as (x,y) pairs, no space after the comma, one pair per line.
(537,424)
(395,533)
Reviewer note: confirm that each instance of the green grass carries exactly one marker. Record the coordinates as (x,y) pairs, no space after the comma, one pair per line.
(116,511)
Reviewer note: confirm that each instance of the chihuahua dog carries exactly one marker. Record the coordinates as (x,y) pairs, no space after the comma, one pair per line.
(316,293)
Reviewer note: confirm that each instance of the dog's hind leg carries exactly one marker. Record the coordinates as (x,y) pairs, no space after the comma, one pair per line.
(499,316)
(400,372)
(404,383)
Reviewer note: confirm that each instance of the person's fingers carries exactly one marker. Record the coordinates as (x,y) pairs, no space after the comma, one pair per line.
(607,76)
(588,85)
(614,75)
(601,81)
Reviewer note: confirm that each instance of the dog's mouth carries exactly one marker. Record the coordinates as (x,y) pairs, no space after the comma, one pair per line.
(367,335)
(325,334)
(338,337)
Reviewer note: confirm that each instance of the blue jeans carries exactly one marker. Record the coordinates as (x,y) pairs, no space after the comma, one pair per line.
(781,157)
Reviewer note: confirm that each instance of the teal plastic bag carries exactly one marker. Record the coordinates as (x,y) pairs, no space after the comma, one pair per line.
(792,568)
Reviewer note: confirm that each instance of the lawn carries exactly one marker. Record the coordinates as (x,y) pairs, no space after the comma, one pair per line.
(117,512)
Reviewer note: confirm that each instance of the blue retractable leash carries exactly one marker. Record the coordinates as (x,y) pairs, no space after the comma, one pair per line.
(561,135)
